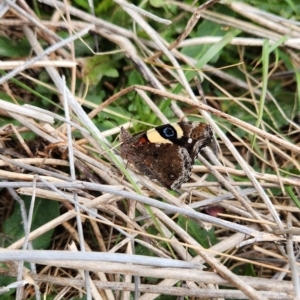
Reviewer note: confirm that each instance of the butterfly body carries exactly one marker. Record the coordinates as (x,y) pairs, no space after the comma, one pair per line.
(167,152)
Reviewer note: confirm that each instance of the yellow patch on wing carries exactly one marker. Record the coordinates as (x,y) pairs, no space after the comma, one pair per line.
(178,130)
(155,137)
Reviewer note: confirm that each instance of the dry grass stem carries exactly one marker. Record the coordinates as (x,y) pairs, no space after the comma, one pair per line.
(108,231)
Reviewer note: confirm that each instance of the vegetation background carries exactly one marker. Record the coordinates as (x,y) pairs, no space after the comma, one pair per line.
(139,65)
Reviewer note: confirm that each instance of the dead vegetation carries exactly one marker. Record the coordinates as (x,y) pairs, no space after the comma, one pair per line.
(116,233)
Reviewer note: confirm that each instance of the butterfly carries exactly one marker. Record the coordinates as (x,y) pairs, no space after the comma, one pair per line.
(167,152)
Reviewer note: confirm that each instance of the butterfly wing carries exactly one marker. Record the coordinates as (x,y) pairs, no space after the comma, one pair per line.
(168,163)
(166,152)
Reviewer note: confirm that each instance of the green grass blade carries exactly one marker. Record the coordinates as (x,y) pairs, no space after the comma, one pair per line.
(265,71)
(289,190)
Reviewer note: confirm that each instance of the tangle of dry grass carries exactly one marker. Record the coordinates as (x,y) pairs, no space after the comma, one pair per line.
(108,212)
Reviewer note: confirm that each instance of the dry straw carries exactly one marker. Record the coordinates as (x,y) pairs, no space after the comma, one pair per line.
(108,194)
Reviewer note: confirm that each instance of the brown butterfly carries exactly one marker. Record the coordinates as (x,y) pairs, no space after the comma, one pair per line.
(167,152)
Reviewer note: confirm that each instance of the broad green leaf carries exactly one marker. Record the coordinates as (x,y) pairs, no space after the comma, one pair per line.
(104,6)
(83,3)
(200,50)
(5,281)
(212,51)
(249,270)
(157,3)
(205,238)
(98,66)
(44,211)
(12,48)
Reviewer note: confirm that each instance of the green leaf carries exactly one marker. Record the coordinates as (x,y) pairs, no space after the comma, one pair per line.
(104,6)
(215,49)
(249,270)
(83,3)
(265,62)
(11,48)
(120,17)
(108,71)
(84,45)
(135,77)
(294,197)
(98,66)
(5,281)
(297,73)
(200,50)
(205,238)
(157,3)
(212,51)
(44,211)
